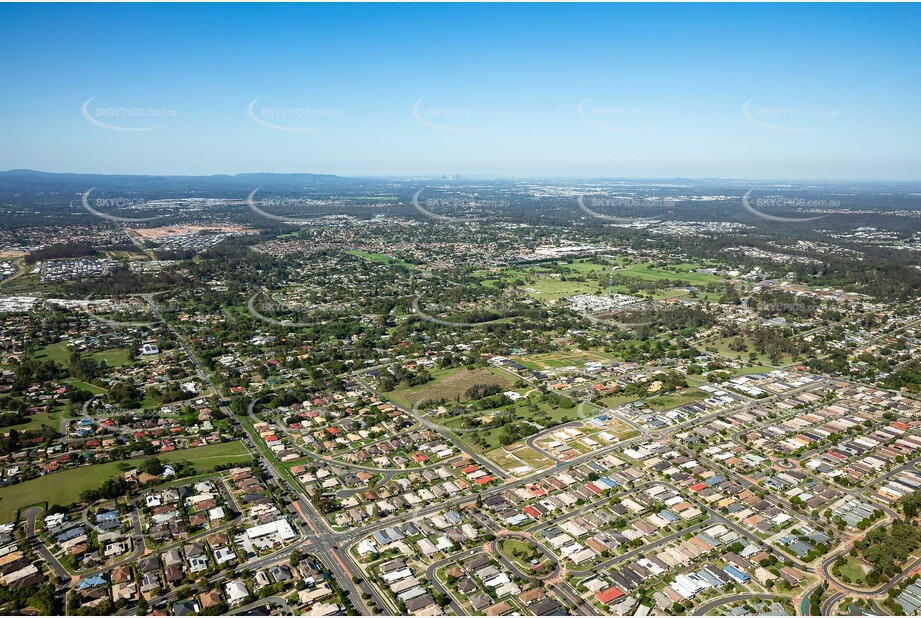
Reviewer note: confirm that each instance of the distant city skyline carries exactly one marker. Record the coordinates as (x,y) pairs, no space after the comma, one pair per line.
(659,91)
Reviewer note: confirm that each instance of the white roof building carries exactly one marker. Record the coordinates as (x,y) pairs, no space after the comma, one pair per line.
(235,591)
(280,527)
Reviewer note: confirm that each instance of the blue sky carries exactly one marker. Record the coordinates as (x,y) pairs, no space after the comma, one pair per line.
(824,91)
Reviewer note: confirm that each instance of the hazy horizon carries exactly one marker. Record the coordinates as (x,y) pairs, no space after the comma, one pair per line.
(757,91)
(436,176)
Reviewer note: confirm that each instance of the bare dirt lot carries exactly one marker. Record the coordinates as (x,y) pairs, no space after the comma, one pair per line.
(167,231)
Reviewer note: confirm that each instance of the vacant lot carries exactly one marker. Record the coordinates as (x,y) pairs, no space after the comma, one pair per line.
(563,358)
(517,455)
(114,358)
(65,487)
(615,401)
(451,384)
(165,232)
(722,346)
(676,399)
(537,412)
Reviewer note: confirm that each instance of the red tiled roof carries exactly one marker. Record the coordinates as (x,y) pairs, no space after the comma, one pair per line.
(532,512)
(606,596)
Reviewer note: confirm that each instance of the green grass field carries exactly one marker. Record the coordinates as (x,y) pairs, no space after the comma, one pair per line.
(676,399)
(549,289)
(744,371)
(587,266)
(503,459)
(852,568)
(563,358)
(60,353)
(25,285)
(449,384)
(509,547)
(723,348)
(641,270)
(546,415)
(507,276)
(65,487)
(541,284)
(378,257)
(648,273)
(52,419)
(114,358)
(85,386)
(615,401)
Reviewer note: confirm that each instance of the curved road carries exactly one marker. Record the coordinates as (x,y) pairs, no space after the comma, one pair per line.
(31,514)
(709,606)
(829,604)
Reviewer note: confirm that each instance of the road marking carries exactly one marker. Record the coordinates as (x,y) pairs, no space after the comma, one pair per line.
(297,506)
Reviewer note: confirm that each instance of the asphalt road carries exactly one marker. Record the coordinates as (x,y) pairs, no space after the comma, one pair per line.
(709,606)
(493,468)
(339,564)
(31,515)
(267,602)
(436,583)
(829,604)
